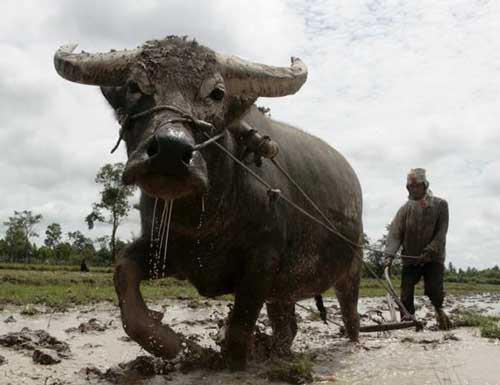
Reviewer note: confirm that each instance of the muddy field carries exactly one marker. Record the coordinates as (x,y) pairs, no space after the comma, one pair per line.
(87,345)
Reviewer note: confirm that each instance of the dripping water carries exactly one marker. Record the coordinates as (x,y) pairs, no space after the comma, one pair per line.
(159,237)
(152,240)
(198,228)
(166,234)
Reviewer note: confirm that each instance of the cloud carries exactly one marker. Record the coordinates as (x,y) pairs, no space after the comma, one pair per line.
(392,85)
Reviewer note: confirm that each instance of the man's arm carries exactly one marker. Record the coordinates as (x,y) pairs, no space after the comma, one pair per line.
(436,247)
(395,236)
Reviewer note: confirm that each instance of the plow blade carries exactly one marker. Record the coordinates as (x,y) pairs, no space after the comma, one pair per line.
(390,326)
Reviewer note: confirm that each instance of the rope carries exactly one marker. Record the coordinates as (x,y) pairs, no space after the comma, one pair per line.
(313,312)
(125,119)
(209,141)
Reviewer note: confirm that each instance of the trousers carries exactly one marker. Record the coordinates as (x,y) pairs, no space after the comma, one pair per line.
(433,273)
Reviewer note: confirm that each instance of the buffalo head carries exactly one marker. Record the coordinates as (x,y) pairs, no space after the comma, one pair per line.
(195,82)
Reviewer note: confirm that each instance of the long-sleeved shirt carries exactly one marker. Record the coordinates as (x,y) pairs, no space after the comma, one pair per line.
(420,228)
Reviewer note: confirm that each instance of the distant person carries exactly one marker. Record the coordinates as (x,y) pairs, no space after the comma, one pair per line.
(420,227)
(83,266)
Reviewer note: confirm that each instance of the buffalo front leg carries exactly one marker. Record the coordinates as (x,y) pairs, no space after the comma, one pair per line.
(249,298)
(141,324)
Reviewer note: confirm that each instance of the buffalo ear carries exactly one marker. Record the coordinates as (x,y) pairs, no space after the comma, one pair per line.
(115,96)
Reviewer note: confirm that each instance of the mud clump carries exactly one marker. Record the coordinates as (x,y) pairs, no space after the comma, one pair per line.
(195,357)
(139,368)
(32,340)
(45,357)
(450,337)
(192,358)
(54,381)
(423,341)
(9,319)
(93,325)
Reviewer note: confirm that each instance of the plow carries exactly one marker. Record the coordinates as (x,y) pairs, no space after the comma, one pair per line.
(393,301)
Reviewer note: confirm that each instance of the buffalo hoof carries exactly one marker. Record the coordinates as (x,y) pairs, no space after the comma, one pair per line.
(235,363)
(235,357)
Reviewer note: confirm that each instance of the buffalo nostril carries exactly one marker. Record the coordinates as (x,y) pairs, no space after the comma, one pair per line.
(187,155)
(153,148)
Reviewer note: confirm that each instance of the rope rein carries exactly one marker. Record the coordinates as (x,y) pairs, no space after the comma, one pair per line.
(125,119)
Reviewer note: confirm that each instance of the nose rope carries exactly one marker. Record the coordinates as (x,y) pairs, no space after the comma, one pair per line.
(184,117)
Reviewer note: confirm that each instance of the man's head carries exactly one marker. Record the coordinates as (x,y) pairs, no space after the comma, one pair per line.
(417,183)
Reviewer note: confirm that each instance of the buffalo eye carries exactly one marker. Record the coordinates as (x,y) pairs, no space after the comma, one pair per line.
(217,94)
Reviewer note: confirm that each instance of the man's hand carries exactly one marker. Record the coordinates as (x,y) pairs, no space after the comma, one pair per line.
(426,257)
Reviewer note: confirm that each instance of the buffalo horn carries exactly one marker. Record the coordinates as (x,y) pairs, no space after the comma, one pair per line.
(252,79)
(100,69)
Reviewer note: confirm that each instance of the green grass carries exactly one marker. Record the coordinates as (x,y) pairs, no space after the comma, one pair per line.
(490,330)
(372,288)
(63,286)
(43,267)
(61,289)
(488,325)
(298,371)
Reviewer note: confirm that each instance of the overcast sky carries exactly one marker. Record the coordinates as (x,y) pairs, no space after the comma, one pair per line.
(392,85)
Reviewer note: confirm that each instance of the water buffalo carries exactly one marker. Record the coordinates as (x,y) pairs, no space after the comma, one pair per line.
(205,218)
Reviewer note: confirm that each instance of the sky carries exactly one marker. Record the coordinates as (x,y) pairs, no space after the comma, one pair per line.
(392,85)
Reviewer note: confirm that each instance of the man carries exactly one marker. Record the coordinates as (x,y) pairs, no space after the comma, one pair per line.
(420,227)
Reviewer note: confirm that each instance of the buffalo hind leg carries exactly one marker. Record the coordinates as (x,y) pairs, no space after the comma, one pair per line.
(141,324)
(347,292)
(284,325)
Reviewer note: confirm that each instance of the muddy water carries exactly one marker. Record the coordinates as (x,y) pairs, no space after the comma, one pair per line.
(398,357)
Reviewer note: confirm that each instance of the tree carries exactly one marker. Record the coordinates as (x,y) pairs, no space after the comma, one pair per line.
(20,229)
(114,200)
(53,235)
(79,242)
(103,255)
(63,252)
(45,254)
(82,246)
(375,258)
(3,249)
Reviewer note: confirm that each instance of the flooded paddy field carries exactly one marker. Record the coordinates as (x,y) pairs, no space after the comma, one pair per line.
(87,345)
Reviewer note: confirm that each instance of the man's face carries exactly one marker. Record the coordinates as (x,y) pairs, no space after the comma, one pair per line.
(416,190)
